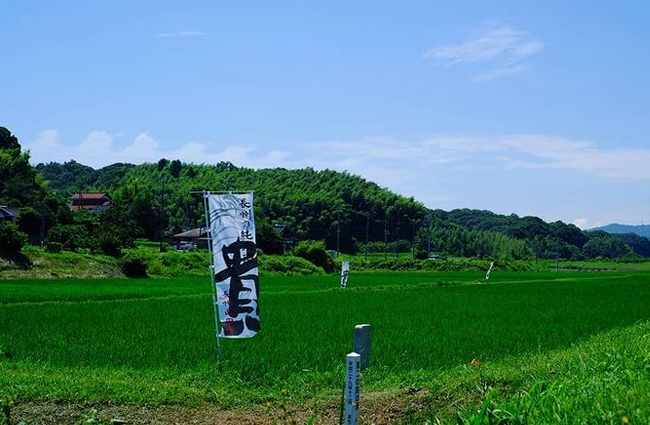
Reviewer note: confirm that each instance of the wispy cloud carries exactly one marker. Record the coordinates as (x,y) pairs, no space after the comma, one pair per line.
(99,149)
(501,152)
(505,49)
(182,34)
(507,152)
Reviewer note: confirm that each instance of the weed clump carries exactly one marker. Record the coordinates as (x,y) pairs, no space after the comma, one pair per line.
(133,266)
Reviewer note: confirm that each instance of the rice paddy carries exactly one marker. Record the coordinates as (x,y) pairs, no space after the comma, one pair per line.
(153,341)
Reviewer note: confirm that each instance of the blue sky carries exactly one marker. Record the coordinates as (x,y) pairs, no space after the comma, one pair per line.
(533,108)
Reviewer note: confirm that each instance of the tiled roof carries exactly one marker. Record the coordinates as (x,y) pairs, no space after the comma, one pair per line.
(89,195)
(191,234)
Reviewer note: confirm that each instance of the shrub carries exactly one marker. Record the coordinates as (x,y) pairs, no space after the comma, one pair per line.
(12,240)
(110,244)
(70,236)
(316,253)
(53,247)
(421,254)
(287,265)
(134,266)
(155,267)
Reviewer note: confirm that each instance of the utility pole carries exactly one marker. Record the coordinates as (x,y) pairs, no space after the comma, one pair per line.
(338,230)
(397,240)
(413,241)
(162,210)
(42,235)
(367,230)
(367,215)
(385,238)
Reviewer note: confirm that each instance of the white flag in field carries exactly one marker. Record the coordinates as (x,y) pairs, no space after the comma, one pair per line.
(232,231)
(345,272)
(487,275)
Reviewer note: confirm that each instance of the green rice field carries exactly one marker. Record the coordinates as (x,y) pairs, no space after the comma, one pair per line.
(153,341)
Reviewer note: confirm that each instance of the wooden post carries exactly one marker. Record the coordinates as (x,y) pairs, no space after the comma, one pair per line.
(352,382)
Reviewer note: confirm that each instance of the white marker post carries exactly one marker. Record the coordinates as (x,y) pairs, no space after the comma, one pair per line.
(352,382)
(362,335)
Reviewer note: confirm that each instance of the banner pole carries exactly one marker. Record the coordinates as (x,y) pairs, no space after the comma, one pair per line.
(214,287)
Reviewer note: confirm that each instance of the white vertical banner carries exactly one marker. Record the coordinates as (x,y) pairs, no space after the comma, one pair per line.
(345,272)
(487,275)
(352,383)
(232,231)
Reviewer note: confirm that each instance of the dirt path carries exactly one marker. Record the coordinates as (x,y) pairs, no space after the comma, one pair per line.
(377,408)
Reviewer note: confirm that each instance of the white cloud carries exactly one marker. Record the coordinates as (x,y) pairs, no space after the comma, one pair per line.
(499,152)
(519,151)
(529,151)
(46,141)
(182,34)
(503,48)
(586,223)
(98,149)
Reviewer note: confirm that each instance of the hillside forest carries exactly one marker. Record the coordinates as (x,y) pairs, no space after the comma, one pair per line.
(345,211)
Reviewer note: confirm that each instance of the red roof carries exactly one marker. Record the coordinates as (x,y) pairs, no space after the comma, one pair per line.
(105,205)
(90,201)
(93,195)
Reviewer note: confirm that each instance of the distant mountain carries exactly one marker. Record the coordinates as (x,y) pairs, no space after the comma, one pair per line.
(641,230)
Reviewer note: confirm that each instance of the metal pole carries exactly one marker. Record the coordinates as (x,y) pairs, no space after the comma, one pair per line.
(214,287)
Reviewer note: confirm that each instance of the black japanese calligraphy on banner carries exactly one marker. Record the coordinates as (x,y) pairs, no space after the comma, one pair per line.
(232,229)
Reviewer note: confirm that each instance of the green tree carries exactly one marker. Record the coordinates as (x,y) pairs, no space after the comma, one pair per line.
(29,222)
(8,140)
(175,168)
(269,240)
(162,163)
(19,185)
(11,239)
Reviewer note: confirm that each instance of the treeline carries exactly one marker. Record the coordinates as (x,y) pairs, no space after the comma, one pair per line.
(347,212)
(164,198)
(480,233)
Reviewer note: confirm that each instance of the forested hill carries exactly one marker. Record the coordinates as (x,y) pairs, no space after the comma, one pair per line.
(73,177)
(641,230)
(316,204)
(308,203)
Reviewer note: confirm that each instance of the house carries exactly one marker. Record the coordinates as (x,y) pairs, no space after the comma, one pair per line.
(194,238)
(8,214)
(91,201)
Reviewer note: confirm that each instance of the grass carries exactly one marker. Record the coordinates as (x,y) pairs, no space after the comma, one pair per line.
(152,341)
(601,380)
(45,265)
(602,264)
